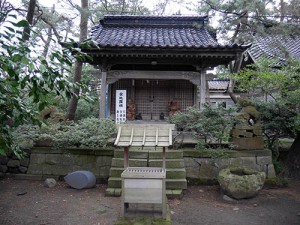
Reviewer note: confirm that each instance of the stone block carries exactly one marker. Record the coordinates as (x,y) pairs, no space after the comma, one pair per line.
(271,171)
(2,175)
(47,169)
(67,159)
(76,167)
(24,162)
(13,163)
(3,159)
(106,160)
(61,170)
(3,168)
(53,159)
(13,170)
(110,192)
(238,162)
(35,169)
(248,143)
(104,171)
(249,162)
(192,167)
(257,132)
(264,160)
(241,133)
(209,169)
(78,160)
(37,158)
(23,169)
(89,159)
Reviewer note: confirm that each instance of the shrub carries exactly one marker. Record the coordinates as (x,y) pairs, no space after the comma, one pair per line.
(88,133)
(212,124)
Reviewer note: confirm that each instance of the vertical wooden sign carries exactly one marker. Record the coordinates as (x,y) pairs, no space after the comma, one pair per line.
(120,106)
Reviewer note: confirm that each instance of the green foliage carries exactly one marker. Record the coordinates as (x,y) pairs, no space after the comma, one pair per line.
(265,77)
(214,153)
(280,117)
(213,124)
(87,133)
(238,19)
(27,79)
(85,108)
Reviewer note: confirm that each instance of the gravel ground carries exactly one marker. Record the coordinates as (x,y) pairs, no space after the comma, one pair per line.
(25,202)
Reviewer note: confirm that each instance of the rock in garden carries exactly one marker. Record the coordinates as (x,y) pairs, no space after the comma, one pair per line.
(22,169)
(228,199)
(24,162)
(13,163)
(3,168)
(3,159)
(239,183)
(2,175)
(50,183)
(81,179)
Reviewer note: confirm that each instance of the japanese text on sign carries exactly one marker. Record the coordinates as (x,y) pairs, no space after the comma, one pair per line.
(120,106)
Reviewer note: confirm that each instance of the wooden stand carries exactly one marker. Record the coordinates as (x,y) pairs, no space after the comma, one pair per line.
(144,184)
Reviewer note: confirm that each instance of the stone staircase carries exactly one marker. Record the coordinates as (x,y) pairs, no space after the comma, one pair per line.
(149,157)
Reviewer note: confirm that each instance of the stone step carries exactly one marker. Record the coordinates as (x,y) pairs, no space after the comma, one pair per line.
(152,154)
(174,173)
(113,192)
(119,162)
(116,192)
(173,184)
(170,163)
(170,154)
(133,154)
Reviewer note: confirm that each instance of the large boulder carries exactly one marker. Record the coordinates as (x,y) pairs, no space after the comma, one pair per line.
(81,179)
(241,183)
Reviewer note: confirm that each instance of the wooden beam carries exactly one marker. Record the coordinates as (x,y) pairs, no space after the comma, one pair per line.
(102,113)
(202,88)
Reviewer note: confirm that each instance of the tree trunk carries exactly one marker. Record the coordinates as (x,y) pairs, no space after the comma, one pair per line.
(49,38)
(292,161)
(78,64)
(282,10)
(29,18)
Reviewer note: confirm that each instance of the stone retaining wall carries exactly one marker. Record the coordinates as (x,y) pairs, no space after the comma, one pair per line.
(46,162)
(200,168)
(204,170)
(10,164)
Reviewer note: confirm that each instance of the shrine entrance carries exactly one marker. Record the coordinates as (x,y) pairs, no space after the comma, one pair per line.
(152,97)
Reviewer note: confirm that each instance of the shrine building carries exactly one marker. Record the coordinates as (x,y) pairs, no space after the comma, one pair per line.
(160,63)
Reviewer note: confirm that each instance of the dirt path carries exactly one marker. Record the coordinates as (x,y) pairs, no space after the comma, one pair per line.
(29,202)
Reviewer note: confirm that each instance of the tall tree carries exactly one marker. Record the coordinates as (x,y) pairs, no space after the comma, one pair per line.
(25,74)
(29,18)
(84,15)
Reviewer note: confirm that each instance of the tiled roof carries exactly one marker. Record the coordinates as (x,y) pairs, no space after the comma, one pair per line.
(220,85)
(275,47)
(154,32)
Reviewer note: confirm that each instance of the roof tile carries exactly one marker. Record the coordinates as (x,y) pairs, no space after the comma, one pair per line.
(162,32)
(275,46)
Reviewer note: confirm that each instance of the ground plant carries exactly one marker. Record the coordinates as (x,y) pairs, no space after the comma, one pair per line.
(89,133)
(213,125)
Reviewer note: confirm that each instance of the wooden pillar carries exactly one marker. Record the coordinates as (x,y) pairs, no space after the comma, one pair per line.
(202,88)
(102,113)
